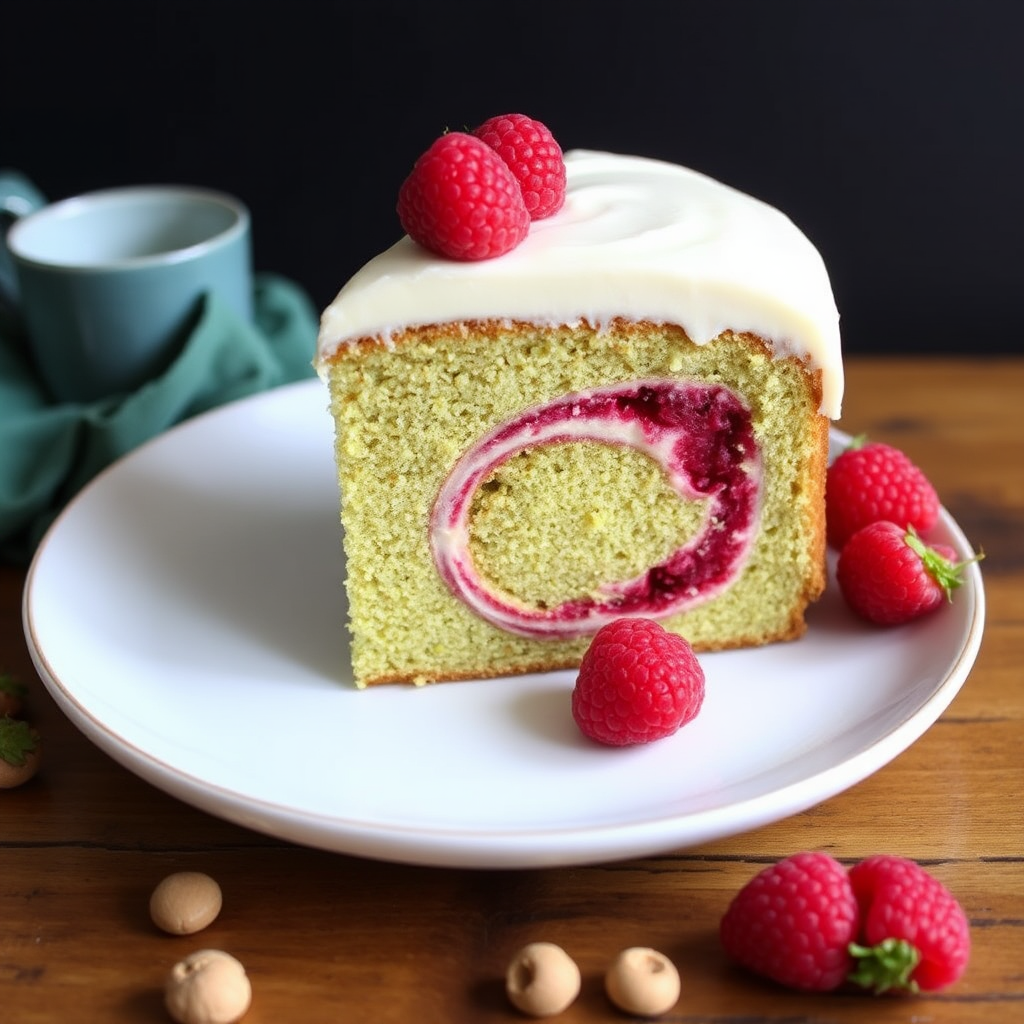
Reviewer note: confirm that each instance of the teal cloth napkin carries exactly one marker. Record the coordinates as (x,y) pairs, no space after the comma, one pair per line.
(49,451)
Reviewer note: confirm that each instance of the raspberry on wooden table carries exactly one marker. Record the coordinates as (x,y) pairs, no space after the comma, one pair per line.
(534,157)
(793,923)
(914,934)
(869,482)
(461,201)
(637,683)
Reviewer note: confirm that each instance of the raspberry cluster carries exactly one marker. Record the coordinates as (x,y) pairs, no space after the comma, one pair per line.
(884,925)
(877,504)
(472,195)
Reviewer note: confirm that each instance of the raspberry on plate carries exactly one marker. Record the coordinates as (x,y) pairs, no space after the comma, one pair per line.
(869,482)
(889,576)
(914,934)
(637,683)
(794,922)
(534,157)
(461,201)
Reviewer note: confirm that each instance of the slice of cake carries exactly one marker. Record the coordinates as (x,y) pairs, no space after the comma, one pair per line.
(627,414)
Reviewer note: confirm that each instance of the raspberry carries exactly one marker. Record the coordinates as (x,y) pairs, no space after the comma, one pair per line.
(918,934)
(461,201)
(534,157)
(636,683)
(889,576)
(874,481)
(794,922)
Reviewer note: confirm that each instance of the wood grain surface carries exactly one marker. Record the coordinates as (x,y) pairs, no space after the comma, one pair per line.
(330,938)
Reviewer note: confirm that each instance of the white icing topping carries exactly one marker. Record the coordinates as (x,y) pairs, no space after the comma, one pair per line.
(637,239)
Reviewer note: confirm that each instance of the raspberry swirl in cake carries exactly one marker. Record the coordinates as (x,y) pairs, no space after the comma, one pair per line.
(699,434)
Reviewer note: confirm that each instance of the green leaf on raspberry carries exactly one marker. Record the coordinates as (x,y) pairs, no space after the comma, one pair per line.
(885,967)
(947,573)
(17,740)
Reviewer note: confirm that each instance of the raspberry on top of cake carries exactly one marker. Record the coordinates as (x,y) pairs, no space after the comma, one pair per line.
(624,414)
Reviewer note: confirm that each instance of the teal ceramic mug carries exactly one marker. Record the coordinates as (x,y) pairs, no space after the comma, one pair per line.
(108,284)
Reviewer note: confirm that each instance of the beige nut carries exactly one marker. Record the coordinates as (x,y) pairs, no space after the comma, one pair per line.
(185,902)
(207,987)
(542,979)
(642,981)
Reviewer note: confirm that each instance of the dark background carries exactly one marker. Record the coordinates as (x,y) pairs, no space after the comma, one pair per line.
(891,131)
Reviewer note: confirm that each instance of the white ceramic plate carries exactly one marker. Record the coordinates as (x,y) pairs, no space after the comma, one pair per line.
(186,612)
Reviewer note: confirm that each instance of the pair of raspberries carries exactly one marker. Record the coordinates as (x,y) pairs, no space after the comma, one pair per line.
(885,924)
(472,195)
(877,503)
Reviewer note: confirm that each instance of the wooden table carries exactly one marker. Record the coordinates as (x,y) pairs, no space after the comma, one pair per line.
(333,938)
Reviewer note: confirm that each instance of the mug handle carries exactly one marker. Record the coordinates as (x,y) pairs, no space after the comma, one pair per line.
(18,197)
